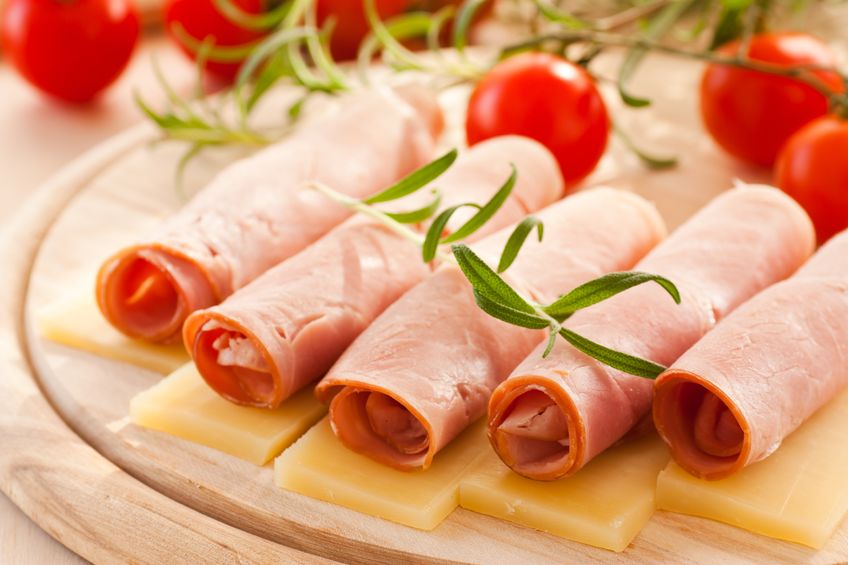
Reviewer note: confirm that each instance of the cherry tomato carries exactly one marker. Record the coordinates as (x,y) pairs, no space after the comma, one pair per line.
(351,23)
(202,19)
(546,98)
(752,114)
(70,49)
(813,169)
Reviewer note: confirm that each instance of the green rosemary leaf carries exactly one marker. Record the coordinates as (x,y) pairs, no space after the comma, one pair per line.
(657,27)
(653,162)
(416,179)
(176,101)
(389,42)
(406,26)
(517,239)
(320,53)
(463,22)
(436,25)
(603,288)
(434,233)
(486,212)
(219,53)
(486,281)
(268,47)
(419,215)
(552,335)
(247,20)
(633,101)
(301,71)
(556,16)
(276,68)
(730,24)
(510,315)
(164,121)
(297,107)
(615,359)
(200,60)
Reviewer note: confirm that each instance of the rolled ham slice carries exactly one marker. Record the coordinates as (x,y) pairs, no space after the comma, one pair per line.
(286,328)
(424,370)
(732,399)
(256,212)
(553,415)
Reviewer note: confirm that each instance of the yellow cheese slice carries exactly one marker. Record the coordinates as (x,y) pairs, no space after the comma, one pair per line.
(799,493)
(321,467)
(606,504)
(184,406)
(76,322)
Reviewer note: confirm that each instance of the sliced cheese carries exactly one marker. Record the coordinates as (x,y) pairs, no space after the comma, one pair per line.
(799,493)
(320,466)
(606,504)
(76,322)
(184,406)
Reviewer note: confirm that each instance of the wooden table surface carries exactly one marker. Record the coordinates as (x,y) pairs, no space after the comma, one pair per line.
(38,137)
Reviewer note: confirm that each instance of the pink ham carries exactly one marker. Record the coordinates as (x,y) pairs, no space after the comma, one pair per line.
(732,399)
(286,328)
(423,371)
(256,213)
(553,415)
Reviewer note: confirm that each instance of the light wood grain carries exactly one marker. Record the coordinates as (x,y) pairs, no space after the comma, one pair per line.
(22,541)
(92,396)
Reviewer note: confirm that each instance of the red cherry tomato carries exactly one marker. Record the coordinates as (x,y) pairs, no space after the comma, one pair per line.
(69,49)
(813,169)
(351,23)
(202,19)
(752,114)
(546,98)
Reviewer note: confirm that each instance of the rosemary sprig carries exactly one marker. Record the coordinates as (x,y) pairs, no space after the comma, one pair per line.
(491,292)
(498,299)
(656,28)
(435,235)
(296,51)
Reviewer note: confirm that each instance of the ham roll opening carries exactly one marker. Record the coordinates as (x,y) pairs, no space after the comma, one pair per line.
(383,427)
(151,291)
(555,414)
(702,424)
(536,429)
(734,397)
(284,330)
(423,371)
(257,212)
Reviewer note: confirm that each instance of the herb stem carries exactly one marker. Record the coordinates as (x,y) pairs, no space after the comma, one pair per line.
(376,214)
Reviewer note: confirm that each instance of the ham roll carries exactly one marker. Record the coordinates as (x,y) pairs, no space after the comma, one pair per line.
(732,399)
(256,212)
(286,328)
(553,415)
(424,370)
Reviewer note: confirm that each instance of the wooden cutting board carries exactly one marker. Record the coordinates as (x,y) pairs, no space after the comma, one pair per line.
(113,492)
